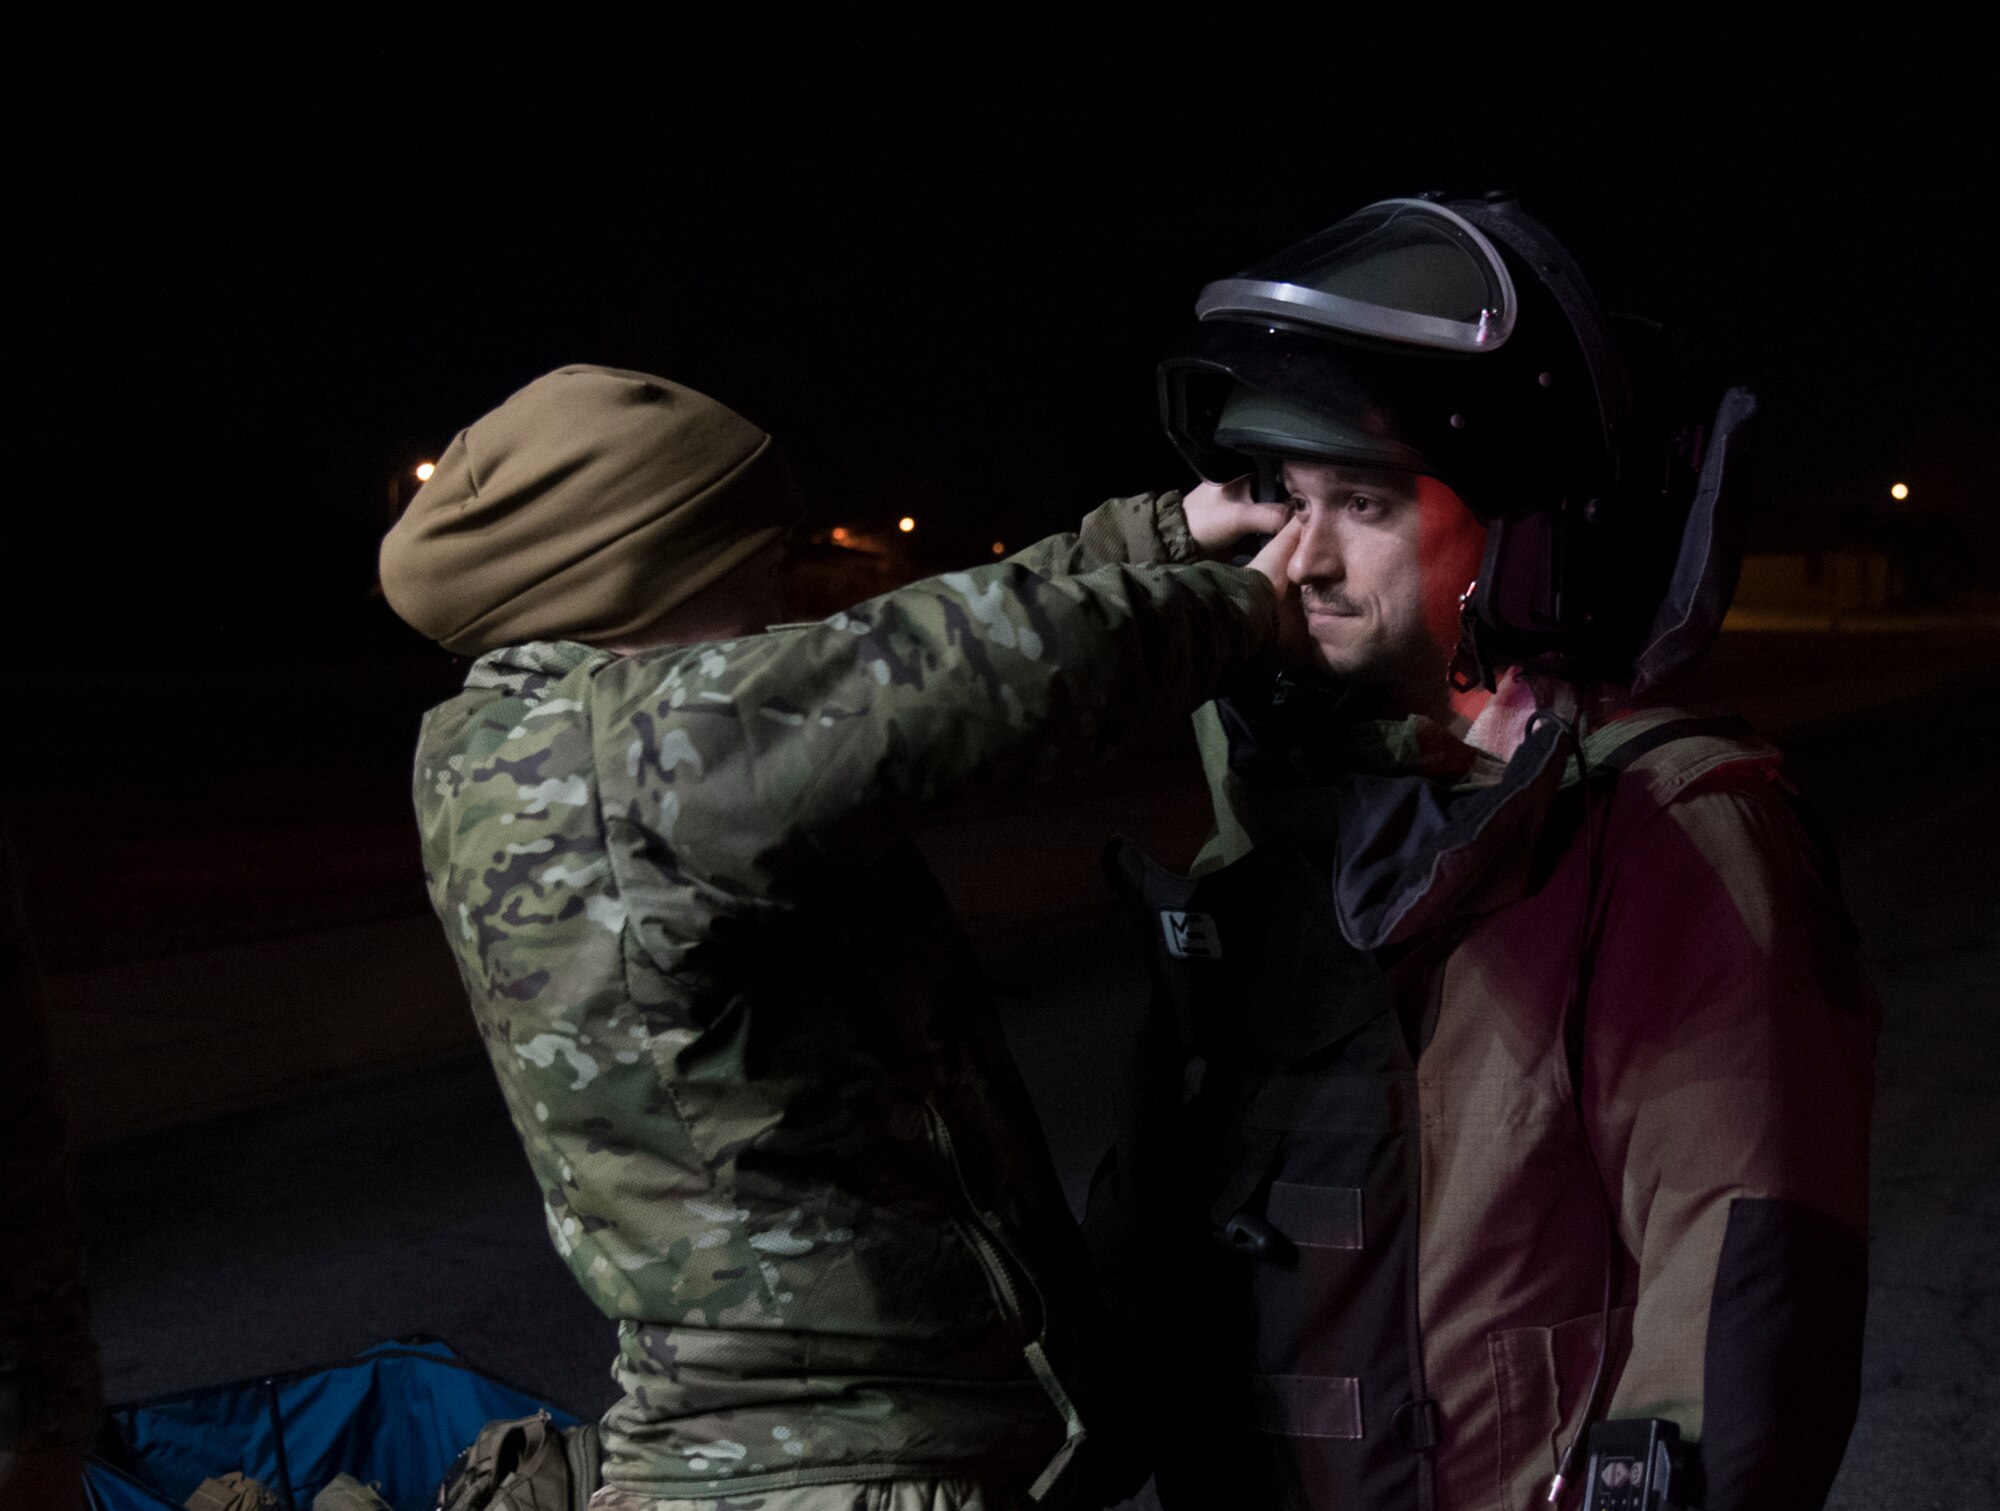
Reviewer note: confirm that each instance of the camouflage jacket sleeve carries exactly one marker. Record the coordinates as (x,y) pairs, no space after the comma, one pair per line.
(1142,528)
(1729,1076)
(754,756)
(48,1367)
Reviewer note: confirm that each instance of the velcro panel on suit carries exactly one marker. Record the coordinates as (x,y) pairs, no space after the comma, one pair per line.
(1304,1406)
(1316,1217)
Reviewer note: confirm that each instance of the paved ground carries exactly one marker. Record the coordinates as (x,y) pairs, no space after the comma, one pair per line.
(1919,847)
(396,1201)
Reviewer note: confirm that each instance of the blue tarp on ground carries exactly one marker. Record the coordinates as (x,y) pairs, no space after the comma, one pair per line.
(394,1416)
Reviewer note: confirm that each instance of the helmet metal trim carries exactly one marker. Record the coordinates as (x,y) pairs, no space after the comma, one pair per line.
(1266,298)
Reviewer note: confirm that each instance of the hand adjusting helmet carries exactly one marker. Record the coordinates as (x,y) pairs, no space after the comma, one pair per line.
(1457,337)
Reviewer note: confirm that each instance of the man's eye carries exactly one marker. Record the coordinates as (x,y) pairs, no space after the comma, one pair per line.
(1364,504)
(1296,504)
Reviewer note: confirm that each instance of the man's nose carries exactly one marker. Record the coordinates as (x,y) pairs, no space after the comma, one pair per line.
(1317,557)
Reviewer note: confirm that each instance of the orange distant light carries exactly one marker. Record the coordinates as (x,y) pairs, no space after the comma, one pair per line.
(999,548)
(424,471)
(906,524)
(1900,492)
(840,534)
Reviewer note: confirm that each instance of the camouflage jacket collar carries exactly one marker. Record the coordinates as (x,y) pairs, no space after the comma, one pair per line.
(523,670)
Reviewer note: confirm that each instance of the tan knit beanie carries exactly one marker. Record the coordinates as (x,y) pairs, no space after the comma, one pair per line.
(583,508)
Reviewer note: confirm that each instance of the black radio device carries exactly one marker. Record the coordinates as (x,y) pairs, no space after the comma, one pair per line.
(1636,1465)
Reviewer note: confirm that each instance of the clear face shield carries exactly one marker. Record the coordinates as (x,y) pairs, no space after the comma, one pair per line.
(1398,290)
(1406,271)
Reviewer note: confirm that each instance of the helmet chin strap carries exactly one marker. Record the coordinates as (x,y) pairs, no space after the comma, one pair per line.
(1468,666)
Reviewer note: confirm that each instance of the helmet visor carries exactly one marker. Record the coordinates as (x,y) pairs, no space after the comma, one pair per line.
(1403,270)
(1258,423)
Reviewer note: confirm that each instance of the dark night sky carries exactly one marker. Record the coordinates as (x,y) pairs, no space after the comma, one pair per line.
(263,273)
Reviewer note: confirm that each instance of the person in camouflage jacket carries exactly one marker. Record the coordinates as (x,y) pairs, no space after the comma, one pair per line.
(752,1060)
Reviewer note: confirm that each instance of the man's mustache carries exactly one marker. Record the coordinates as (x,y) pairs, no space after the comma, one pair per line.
(1327,601)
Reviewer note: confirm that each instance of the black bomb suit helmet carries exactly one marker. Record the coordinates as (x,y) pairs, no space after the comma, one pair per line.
(1457,337)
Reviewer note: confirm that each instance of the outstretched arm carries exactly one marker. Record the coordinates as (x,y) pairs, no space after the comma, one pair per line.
(1205,523)
(769,751)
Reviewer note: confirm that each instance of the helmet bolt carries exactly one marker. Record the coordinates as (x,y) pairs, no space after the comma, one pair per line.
(1458,422)
(1590,511)
(1547,380)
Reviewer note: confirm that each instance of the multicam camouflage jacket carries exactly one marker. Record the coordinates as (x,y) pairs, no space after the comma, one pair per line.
(752,1061)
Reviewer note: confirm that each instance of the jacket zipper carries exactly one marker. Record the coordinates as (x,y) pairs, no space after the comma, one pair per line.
(1000,1262)
(995,1257)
